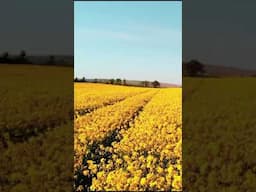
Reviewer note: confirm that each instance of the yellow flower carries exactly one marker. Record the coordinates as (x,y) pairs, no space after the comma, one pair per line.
(160,170)
(85,172)
(150,176)
(176,184)
(119,161)
(153,184)
(136,161)
(170,169)
(100,174)
(150,158)
(143,181)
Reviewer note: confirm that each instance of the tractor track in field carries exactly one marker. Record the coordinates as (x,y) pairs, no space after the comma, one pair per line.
(97,154)
(20,134)
(81,112)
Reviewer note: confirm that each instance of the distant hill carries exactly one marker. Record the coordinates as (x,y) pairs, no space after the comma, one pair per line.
(222,71)
(162,84)
(169,85)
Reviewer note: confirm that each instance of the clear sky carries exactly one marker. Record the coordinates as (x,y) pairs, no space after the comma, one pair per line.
(220,32)
(131,40)
(38,27)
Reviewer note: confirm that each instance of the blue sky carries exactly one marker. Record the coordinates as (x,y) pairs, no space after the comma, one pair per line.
(131,40)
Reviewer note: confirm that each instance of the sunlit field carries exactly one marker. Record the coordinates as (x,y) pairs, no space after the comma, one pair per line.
(36,115)
(127,138)
(219,134)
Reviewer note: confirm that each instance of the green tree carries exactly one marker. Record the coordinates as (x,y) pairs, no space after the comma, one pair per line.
(194,68)
(5,55)
(22,58)
(155,84)
(145,83)
(118,81)
(124,81)
(51,60)
(4,58)
(112,81)
(23,54)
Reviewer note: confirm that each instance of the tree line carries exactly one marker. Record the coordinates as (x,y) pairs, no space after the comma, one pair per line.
(22,58)
(119,81)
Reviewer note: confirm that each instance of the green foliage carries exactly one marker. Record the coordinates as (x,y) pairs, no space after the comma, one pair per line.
(112,81)
(51,60)
(145,83)
(155,84)
(118,81)
(124,81)
(193,68)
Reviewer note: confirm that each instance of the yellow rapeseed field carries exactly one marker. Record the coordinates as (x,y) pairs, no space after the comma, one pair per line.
(127,138)
(36,123)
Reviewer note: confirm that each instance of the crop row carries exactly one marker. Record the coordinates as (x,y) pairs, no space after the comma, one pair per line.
(99,125)
(33,155)
(33,99)
(99,128)
(115,152)
(148,157)
(219,135)
(39,164)
(90,96)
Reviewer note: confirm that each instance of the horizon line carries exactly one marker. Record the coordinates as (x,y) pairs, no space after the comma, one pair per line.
(178,84)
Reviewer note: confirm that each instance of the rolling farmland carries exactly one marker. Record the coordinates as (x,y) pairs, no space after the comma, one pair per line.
(219,134)
(127,138)
(36,128)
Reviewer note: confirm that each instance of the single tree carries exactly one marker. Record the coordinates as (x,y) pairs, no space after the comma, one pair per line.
(4,58)
(5,55)
(23,54)
(21,58)
(124,81)
(112,81)
(145,83)
(155,84)
(118,81)
(51,60)
(194,68)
